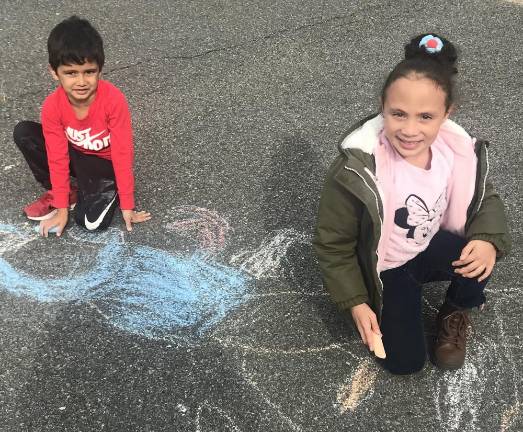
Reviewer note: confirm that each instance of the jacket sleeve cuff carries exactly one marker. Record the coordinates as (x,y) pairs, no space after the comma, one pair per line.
(502,248)
(346,305)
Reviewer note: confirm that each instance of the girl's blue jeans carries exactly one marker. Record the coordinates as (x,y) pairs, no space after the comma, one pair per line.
(401,319)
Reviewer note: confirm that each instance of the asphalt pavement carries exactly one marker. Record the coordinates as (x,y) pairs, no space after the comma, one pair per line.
(212,316)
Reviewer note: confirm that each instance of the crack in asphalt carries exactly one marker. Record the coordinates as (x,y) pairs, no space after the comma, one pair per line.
(273,35)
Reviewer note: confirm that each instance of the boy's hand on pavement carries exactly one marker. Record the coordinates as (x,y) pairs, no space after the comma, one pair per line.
(59,221)
(366,322)
(132,216)
(477,259)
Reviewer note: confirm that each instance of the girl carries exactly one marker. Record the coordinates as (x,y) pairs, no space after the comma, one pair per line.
(406,202)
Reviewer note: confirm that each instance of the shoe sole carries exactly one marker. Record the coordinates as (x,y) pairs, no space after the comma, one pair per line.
(49,215)
(446,365)
(449,367)
(41,218)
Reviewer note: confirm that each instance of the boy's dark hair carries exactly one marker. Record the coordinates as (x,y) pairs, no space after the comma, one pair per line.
(75,41)
(438,66)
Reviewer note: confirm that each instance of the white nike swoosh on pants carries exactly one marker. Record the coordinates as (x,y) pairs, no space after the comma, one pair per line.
(93,225)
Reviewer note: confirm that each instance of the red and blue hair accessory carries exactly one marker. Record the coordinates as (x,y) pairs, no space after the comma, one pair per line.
(432,44)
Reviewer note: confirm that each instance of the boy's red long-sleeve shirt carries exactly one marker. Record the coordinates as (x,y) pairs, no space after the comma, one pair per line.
(106,132)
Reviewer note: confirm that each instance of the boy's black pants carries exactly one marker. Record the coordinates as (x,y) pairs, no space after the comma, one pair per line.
(401,319)
(97,196)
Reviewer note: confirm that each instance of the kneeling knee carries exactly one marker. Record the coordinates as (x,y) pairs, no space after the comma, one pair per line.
(80,221)
(22,130)
(404,366)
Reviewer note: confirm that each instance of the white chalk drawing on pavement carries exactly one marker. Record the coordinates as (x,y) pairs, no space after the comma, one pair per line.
(458,395)
(512,412)
(229,341)
(208,410)
(267,260)
(267,399)
(101,237)
(461,393)
(12,239)
(3,95)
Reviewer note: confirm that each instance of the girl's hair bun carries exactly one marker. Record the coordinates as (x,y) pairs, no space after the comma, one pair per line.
(430,45)
(429,56)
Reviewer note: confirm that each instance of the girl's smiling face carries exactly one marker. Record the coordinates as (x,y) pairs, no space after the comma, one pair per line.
(414,109)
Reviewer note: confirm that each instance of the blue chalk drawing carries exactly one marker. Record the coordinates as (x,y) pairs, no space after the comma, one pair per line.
(141,290)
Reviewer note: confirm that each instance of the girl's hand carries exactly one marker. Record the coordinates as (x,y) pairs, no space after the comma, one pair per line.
(477,259)
(59,220)
(366,322)
(132,216)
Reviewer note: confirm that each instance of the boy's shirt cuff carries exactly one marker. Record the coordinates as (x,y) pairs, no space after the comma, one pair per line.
(126,201)
(60,200)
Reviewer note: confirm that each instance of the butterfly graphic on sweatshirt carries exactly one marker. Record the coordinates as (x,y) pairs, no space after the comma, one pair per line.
(418,219)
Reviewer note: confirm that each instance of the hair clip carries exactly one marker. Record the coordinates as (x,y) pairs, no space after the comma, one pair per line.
(432,44)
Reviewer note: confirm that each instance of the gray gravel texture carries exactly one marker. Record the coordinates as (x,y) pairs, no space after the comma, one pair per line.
(237,108)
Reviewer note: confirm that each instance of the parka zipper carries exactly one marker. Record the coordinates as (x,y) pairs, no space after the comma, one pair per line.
(381,224)
(484,180)
(476,208)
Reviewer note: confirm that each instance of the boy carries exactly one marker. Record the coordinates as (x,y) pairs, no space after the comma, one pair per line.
(85,133)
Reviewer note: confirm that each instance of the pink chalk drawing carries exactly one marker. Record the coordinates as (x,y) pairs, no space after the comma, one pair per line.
(206,226)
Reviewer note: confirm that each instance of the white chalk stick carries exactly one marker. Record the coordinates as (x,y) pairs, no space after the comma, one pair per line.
(52,230)
(379,349)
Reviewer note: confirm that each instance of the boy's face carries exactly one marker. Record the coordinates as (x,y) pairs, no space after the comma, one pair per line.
(78,81)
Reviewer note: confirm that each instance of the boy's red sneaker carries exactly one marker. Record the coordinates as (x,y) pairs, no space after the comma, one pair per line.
(42,208)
